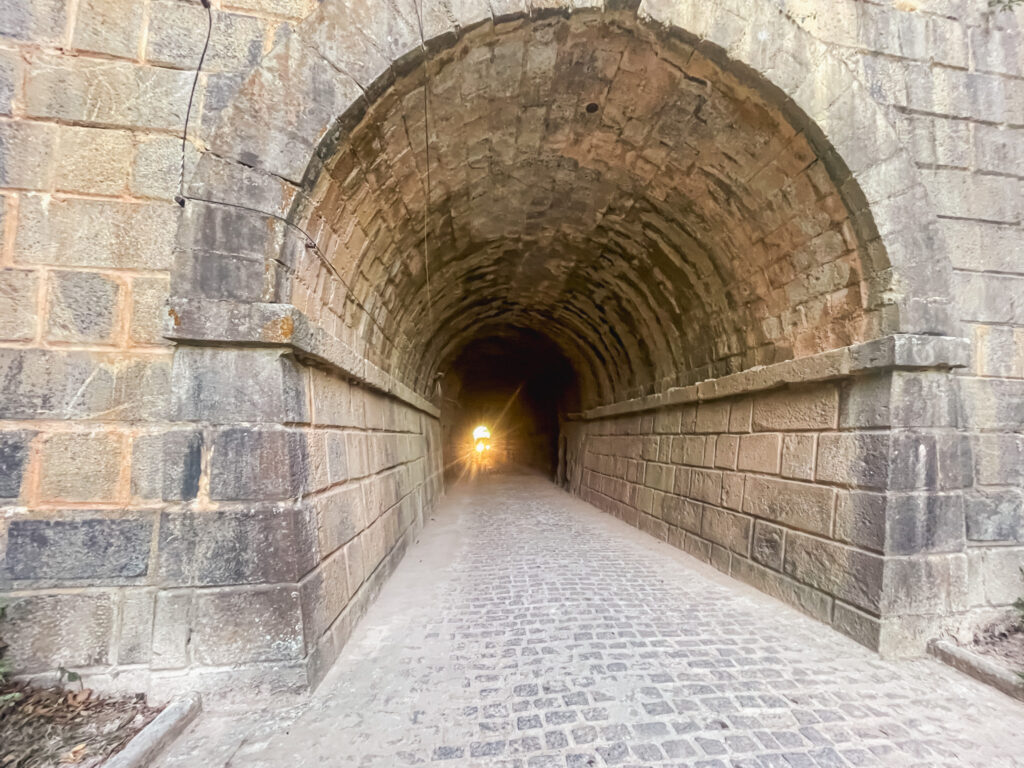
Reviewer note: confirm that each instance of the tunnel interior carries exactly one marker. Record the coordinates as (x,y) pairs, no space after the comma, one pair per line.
(518,384)
(660,216)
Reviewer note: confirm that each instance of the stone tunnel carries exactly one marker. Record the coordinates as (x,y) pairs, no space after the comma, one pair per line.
(702,261)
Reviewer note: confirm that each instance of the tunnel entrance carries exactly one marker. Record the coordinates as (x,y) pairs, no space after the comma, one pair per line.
(521,386)
(670,274)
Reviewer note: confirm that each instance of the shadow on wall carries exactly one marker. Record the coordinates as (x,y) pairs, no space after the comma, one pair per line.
(519,384)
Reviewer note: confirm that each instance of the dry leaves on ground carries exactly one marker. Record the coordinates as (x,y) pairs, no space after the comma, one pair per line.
(49,727)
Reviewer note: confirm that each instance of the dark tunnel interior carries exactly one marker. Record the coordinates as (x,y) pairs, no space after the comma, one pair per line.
(516,382)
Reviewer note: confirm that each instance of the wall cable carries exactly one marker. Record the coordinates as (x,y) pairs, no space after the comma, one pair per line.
(426,159)
(181,197)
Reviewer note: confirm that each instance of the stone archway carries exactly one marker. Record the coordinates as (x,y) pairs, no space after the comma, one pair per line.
(731,249)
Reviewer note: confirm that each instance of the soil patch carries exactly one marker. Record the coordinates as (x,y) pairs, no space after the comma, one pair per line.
(50,727)
(1003,640)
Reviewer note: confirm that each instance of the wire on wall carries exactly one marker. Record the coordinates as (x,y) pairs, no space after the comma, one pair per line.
(181,197)
(426,160)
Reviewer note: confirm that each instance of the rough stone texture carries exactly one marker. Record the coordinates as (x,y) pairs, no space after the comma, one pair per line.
(69,551)
(851,170)
(527,629)
(82,307)
(865,528)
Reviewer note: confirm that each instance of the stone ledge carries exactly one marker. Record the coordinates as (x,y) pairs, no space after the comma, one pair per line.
(979,667)
(898,352)
(158,735)
(208,321)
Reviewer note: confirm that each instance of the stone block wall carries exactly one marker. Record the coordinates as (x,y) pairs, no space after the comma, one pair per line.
(247,530)
(100,437)
(843,497)
(948,74)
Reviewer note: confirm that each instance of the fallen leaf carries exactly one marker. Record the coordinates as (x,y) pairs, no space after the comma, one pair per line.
(76,754)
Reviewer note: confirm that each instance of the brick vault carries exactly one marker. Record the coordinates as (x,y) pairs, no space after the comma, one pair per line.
(738,241)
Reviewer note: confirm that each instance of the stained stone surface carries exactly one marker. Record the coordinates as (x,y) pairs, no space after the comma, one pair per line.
(526,629)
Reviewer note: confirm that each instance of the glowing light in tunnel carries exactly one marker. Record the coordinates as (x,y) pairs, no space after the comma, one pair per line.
(481,433)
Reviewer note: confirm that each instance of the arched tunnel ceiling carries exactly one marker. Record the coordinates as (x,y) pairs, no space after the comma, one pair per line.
(644,207)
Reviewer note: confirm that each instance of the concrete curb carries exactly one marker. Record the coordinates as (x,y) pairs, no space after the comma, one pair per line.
(156,736)
(979,667)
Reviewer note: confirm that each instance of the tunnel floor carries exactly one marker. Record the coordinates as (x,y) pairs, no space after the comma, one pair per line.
(525,628)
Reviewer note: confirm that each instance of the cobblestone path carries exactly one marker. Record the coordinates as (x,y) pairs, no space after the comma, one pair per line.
(527,629)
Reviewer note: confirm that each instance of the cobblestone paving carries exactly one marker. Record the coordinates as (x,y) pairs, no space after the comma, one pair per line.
(526,629)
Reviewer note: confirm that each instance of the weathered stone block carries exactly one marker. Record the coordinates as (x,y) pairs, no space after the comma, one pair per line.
(727,529)
(43,383)
(681,486)
(925,584)
(988,298)
(82,307)
(713,416)
(80,466)
(358,461)
(993,514)
(37,21)
(668,421)
(26,154)
(18,311)
(74,630)
(929,461)
(849,574)
(706,485)
(726,447)
(108,26)
(177,31)
(156,164)
(861,519)
(258,464)
(740,415)
(801,505)
(720,558)
(117,93)
(93,160)
(732,490)
(225,385)
(247,625)
(341,516)
(324,595)
(798,452)
(172,629)
(149,298)
(72,550)
(710,448)
(999,459)
(693,450)
(293,79)
(929,522)
(768,544)
(236,547)
(760,453)
(660,477)
(863,628)
(807,599)
(227,277)
(135,633)
(859,459)
(10,73)
(681,513)
(14,449)
(96,233)
(797,409)
(968,195)
(995,575)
